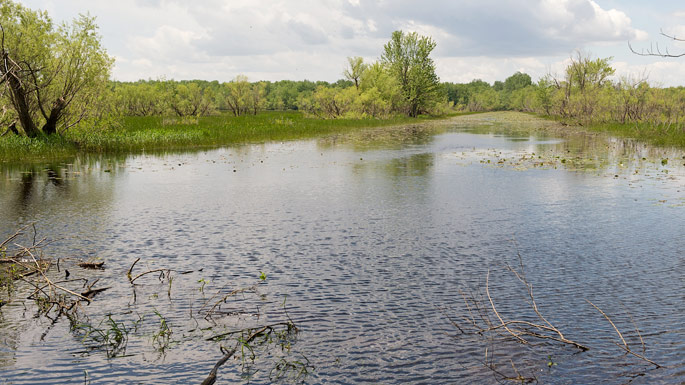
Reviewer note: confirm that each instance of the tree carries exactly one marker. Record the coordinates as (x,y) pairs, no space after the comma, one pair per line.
(585,73)
(189,99)
(407,57)
(258,101)
(517,81)
(355,69)
(51,75)
(238,95)
(380,91)
(243,98)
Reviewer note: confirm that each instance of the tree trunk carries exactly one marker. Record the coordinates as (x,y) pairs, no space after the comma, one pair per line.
(21,105)
(50,126)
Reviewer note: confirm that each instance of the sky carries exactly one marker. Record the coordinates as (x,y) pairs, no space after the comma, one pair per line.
(311,39)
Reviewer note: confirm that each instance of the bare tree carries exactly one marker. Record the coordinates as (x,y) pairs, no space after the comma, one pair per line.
(656,50)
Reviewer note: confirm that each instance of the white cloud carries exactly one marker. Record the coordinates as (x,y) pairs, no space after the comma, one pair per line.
(659,73)
(585,20)
(271,40)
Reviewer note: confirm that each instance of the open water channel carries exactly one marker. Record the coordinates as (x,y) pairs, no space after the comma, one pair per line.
(365,244)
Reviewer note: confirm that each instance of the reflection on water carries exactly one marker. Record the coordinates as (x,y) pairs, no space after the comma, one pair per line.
(371,237)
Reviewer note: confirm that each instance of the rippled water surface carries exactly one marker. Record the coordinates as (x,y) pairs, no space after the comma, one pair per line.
(368,242)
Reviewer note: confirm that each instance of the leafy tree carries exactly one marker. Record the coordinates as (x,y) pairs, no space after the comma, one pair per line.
(583,72)
(238,94)
(407,57)
(242,97)
(52,75)
(142,98)
(257,94)
(382,92)
(485,100)
(355,69)
(517,81)
(544,94)
(189,99)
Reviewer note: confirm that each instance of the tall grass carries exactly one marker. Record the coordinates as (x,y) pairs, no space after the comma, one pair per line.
(662,134)
(136,134)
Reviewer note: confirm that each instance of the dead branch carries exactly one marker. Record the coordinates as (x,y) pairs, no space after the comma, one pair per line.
(211,378)
(625,346)
(132,279)
(518,329)
(130,269)
(52,284)
(225,297)
(656,50)
(149,272)
(503,324)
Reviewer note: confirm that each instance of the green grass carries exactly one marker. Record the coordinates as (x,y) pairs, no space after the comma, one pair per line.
(665,135)
(137,134)
(657,134)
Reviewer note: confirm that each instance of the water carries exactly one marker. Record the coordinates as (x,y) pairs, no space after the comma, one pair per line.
(369,242)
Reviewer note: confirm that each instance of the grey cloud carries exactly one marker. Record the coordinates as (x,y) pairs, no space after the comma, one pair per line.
(308,33)
(497,28)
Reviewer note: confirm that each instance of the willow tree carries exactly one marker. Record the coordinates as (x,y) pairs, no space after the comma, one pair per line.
(355,70)
(51,76)
(407,56)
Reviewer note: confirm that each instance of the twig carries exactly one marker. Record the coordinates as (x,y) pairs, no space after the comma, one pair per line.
(48,279)
(487,291)
(211,378)
(225,297)
(130,269)
(625,345)
(610,321)
(148,272)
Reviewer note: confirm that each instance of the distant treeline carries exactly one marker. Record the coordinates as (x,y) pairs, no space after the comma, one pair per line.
(586,93)
(402,82)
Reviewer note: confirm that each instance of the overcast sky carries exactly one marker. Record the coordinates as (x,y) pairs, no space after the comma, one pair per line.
(310,39)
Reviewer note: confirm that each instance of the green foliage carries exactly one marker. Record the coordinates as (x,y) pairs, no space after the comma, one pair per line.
(407,57)
(355,70)
(110,336)
(142,98)
(53,76)
(461,94)
(517,81)
(189,99)
(586,95)
(203,282)
(162,338)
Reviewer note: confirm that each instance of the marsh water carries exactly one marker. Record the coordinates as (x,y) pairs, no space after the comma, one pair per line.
(367,241)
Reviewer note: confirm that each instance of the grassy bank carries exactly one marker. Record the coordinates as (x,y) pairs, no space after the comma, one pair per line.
(666,135)
(657,134)
(137,134)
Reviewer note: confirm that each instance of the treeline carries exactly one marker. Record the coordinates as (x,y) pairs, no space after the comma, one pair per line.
(201,98)
(403,81)
(586,93)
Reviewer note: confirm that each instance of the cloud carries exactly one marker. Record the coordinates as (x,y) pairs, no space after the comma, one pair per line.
(506,27)
(217,39)
(662,73)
